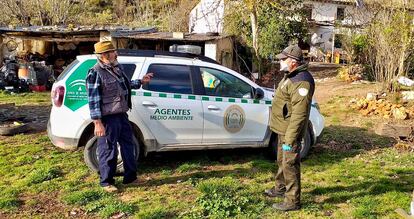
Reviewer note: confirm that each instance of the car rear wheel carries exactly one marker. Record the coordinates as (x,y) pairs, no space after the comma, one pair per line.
(306,144)
(90,155)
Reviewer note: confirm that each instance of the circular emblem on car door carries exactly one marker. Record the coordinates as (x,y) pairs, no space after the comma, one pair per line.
(234,119)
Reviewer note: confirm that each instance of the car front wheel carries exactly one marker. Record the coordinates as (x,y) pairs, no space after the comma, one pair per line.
(306,144)
(90,155)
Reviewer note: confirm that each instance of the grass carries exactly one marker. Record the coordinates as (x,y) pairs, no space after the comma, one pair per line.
(351,173)
(36,98)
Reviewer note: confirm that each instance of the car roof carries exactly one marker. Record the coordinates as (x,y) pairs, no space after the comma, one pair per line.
(140,55)
(155,54)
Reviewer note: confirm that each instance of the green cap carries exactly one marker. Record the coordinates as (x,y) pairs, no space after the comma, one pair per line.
(292,51)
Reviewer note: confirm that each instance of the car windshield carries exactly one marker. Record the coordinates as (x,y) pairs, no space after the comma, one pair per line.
(67,69)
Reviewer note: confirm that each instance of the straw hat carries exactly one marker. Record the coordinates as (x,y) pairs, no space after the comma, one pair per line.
(104,46)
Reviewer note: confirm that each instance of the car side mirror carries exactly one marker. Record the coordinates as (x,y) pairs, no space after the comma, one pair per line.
(135,84)
(258,94)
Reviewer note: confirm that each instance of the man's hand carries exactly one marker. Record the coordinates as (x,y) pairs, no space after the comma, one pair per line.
(147,78)
(99,128)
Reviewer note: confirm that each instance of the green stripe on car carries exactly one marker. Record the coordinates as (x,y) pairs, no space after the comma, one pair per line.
(203,98)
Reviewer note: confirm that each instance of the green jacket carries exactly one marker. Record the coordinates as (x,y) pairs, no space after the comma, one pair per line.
(291,104)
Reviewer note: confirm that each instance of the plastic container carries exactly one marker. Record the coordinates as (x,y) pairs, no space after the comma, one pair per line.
(337,57)
(37,88)
(23,72)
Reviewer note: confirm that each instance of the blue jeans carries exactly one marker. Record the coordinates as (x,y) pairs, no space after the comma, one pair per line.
(117,130)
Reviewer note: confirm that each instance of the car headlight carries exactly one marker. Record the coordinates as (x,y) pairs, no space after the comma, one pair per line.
(316,105)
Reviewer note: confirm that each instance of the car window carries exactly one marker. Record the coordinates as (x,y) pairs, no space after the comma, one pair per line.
(223,84)
(129,70)
(170,78)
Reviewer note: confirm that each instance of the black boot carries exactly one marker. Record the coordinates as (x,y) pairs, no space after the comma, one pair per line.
(273,193)
(285,207)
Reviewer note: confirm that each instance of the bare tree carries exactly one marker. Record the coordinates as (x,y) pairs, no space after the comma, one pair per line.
(15,11)
(39,12)
(391,40)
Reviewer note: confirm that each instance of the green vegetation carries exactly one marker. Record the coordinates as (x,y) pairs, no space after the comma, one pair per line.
(167,15)
(187,167)
(42,98)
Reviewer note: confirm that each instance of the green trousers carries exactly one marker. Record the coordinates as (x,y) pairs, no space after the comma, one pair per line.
(288,172)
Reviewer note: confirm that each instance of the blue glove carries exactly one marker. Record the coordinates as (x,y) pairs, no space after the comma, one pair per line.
(286,147)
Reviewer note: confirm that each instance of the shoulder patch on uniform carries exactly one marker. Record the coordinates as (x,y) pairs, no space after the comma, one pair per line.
(303,91)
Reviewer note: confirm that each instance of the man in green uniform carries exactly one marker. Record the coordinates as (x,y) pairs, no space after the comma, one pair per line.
(289,120)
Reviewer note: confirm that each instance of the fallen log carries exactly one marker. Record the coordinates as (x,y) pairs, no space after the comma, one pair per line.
(394,131)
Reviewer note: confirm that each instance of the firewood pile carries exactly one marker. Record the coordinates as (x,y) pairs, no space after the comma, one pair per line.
(383,108)
(351,73)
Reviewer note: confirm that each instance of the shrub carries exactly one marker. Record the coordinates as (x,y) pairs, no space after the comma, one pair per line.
(83,197)
(155,213)
(44,174)
(220,198)
(9,203)
(188,167)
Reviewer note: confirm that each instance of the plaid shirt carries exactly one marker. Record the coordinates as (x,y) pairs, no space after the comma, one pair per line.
(94,86)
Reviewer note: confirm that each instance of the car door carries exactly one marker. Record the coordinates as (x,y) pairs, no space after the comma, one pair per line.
(168,106)
(231,115)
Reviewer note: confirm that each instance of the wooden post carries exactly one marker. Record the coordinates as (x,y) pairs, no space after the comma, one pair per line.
(1,51)
(333,46)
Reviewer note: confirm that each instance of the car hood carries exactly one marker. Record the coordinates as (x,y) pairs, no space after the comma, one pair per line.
(269,93)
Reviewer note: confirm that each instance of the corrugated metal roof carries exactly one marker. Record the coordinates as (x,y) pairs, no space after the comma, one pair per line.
(336,1)
(118,33)
(60,33)
(169,36)
(116,30)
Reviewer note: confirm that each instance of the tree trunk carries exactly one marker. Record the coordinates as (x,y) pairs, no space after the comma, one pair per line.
(255,35)
(255,31)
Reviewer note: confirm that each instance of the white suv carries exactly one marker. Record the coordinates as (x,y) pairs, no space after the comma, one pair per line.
(191,103)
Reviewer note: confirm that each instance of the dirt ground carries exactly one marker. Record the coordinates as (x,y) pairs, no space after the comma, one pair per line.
(326,88)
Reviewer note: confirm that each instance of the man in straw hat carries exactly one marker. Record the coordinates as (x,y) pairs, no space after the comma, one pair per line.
(289,120)
(109,96)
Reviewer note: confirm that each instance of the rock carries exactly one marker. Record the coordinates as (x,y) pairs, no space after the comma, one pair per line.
(353,100)
(372,96)
(394,131)
(407,95)
(328,213)
(410,113)
(118,215)
(365,112)
(405,81)
(400,113)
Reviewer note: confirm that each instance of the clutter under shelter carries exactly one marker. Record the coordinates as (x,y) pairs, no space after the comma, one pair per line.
(33,57)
